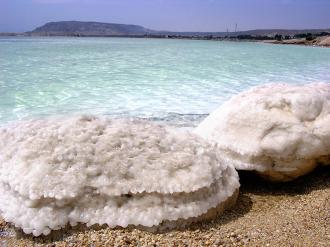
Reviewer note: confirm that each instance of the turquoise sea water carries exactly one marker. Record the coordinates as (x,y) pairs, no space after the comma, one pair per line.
(172,80)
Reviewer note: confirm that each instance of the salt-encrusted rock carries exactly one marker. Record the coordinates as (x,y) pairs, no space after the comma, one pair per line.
(95,170)
(282,131)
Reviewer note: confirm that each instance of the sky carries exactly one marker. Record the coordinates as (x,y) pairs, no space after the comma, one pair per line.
(169,15)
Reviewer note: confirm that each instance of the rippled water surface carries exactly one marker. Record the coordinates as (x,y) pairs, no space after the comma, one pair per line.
(173,80)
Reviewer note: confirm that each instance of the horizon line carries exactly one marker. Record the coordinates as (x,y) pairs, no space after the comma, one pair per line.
(169,31)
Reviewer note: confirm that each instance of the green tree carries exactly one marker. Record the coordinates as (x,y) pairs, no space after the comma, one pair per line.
(309,37)
(278,37)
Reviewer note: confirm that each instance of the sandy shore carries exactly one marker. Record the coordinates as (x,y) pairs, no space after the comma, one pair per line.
(320,41)
(266,214)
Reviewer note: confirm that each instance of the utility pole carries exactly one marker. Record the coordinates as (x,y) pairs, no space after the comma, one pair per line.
(235,27)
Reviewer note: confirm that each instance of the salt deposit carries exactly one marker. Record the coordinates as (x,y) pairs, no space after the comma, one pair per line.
(93,170)
(279,130)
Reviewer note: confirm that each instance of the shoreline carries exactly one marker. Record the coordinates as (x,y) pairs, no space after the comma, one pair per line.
(323,41)
(318,42)
(301,209)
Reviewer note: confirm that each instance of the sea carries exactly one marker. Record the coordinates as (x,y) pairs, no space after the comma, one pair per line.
(175,81)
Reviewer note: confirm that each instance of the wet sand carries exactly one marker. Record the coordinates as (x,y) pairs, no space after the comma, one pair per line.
(266,214)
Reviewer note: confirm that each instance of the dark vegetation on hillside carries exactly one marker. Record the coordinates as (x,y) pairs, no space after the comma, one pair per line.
(77,28)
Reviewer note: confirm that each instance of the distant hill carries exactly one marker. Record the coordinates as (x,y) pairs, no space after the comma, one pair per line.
(256,32)
(77,28)
(80,28)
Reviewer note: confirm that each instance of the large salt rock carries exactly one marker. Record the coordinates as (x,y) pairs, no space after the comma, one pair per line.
(95,170)
(279,130)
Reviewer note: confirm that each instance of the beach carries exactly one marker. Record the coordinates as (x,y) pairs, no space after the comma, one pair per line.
(320,41)
(176,82)
(266,214)
(164,123)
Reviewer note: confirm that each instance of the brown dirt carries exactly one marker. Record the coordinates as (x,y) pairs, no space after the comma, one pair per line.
(323,41)
(320,41)
(266,214)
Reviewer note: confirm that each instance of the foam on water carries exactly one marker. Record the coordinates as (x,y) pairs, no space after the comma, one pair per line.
(148,78)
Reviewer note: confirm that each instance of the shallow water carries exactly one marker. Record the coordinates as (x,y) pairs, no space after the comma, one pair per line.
(177,81)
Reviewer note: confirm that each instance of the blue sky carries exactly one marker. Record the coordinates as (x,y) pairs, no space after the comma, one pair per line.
(173,15)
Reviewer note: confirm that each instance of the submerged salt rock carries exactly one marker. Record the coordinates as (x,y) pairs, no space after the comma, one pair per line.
(279,130)
(95,170)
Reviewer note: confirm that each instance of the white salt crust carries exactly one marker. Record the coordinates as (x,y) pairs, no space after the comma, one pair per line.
(279,130)
(95,170)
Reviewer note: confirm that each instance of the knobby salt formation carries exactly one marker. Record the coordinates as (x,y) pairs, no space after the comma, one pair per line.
(94,170)
(282,131)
